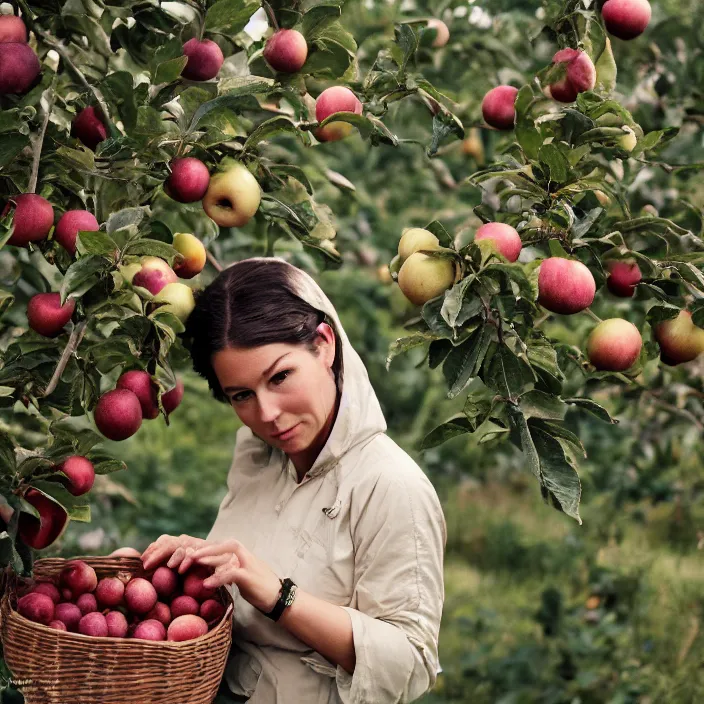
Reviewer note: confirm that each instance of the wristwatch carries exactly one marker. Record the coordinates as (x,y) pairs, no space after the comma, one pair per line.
(286,597)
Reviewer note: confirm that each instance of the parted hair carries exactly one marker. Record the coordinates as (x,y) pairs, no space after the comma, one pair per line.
(249,304)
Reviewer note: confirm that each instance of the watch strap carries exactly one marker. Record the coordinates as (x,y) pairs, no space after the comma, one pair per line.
(286,597)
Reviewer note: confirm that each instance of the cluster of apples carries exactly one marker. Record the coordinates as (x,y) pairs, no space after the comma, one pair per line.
(41,532)
(565,286)
(625,19)
(19,64)
(165,606)
(119,413)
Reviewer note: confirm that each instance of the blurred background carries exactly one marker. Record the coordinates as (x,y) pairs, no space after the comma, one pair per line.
(538,608)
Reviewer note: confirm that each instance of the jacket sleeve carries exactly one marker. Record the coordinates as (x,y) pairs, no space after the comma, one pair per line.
(399,536)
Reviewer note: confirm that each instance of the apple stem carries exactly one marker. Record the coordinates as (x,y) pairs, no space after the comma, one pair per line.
(73,342)
(61,51)
(216,264)
(593,315)
(39,140)
(270,13)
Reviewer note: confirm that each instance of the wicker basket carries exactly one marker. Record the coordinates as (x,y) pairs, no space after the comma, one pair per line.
(57,667)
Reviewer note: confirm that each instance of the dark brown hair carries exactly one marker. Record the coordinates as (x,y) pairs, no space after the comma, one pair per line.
(249,304)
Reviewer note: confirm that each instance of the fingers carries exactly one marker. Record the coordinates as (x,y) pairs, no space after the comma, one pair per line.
(209,549)
(218,560)
(222,576)
(158,551)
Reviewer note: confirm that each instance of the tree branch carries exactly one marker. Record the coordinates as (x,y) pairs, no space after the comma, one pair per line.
(216,264)
(73,342)
(39,140)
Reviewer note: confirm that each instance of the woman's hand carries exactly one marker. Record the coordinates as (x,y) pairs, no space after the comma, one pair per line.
(176,549)
(234,564)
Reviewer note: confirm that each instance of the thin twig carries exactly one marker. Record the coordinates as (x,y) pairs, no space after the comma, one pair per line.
(61,50)
(270,13)
(39,141)
(216,264)
(73,342)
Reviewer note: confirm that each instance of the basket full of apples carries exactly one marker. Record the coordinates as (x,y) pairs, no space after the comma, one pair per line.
(104,630)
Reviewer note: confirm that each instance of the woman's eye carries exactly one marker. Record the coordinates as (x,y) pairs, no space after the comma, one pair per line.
(277,378)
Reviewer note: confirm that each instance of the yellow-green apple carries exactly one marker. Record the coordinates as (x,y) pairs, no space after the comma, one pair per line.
(188,180)
(680,340)
(154,274)
(498,107)
(506,240)
(88,127)
(40,533)
(171,399)
(330,101)
(12,29)
(614,345)
(70,224)
(442,33)
(79,472)
(47,316)
(628,140)
(413,239)
(178,299)
(383,274)
(626,19)
(140,383)
(624,274)
(233,197)
(423,277)
(33,218)
(118,414)
(286,51)
(204,59)
(19,68)
(193,253)
(580,75)
(565,285)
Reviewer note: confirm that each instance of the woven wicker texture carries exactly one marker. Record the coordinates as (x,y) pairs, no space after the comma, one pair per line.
(57,667)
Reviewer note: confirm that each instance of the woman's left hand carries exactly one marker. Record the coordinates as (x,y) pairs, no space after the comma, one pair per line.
(234,564)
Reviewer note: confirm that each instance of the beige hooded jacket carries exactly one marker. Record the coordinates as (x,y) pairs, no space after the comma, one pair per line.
(364,530)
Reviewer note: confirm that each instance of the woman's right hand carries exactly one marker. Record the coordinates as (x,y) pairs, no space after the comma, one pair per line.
(175,549)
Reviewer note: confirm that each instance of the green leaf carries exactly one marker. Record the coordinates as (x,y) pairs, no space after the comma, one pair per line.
(125,218)
(362,123)
(10,146)
(507,374)
(407,41)
(267,129)
(444,124)
(606,70)
(452,428)
(152,248)
(319,17)
(234,98)
(556,161)
(82,275)
(464,361)
(593,407)
(108,466)
(7,452)
(170,70)
(230,16)
(96,242)
(538,404)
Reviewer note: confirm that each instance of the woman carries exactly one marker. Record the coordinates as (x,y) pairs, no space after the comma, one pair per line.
(319,495)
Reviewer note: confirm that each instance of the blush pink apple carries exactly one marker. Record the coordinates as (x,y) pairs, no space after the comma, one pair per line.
(204,59)
(614,345)
(70,224)
(580,75)
(333,100)
(47,316)
(188,180)
(140,383)
(118,414)
(498,107)
(565,286)
(286,51)
(626,19)
(12,29)
(80,473)
(33,217)
(19,68)
(505,238)
(623,277)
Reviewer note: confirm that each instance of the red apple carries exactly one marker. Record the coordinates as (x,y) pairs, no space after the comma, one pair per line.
(12,29)
(171,399)
(286,51)
(188,181)
(332,100)
(154,275)
(626,19)
(36,607)
(506,240)
(33,217)
(580,76)
(614,345)
(118,414)
(140,383)
(89,128)
(498,107)
(623,277)
(19,68)
(47,316)
(80,473)
(565,285)
(41,533)
(79,577)
(70,224)
(204,59)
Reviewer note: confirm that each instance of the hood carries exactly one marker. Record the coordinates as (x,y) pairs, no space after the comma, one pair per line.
(359,417)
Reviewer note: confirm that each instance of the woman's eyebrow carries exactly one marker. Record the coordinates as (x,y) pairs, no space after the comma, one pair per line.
(265,373)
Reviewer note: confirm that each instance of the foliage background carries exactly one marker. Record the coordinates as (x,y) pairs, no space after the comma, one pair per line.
(537,607)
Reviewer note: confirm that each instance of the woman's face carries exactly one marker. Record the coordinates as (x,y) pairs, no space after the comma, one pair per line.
(279,387)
